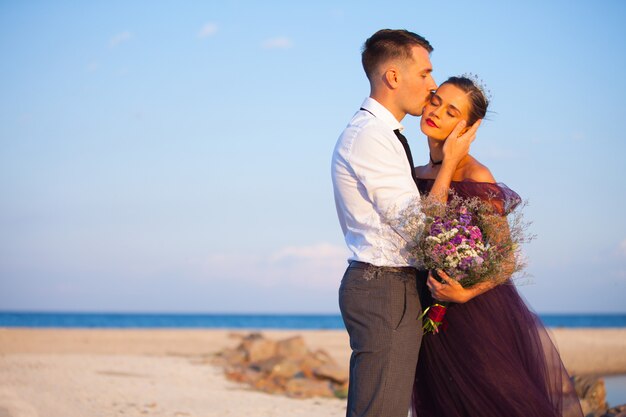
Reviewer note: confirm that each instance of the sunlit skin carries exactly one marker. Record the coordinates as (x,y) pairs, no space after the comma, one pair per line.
(446,108)
(403,86)
(418,82)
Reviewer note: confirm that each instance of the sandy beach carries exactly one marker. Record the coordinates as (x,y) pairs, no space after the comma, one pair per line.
(79,373)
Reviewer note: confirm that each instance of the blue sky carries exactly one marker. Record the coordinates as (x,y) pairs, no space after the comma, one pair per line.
(168,156)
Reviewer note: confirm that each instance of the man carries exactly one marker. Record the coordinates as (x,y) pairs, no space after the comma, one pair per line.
(373,180)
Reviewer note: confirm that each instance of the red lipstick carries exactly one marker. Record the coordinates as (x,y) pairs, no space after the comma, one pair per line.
(430,123)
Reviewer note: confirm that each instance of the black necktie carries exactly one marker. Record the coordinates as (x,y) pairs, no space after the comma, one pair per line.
(405,145)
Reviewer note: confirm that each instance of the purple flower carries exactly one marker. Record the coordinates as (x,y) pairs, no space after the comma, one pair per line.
(465,219)
(436,227)
(465,263)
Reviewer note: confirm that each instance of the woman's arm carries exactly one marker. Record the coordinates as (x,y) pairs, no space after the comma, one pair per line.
(450,290)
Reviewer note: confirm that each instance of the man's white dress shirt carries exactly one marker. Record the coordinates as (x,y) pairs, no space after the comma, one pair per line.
(374,189)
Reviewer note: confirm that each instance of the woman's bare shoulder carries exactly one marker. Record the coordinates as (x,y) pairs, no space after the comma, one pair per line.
(476,171)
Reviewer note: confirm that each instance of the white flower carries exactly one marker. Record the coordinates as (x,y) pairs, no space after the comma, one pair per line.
(433,239)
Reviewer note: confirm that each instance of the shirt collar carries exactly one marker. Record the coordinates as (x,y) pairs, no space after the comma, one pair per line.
(382,113)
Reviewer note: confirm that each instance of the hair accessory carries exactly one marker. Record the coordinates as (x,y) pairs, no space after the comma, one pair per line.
(479,83)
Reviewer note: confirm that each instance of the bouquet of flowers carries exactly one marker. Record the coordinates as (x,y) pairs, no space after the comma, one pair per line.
(472,243)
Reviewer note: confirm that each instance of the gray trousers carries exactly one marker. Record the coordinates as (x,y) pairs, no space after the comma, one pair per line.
(380,309)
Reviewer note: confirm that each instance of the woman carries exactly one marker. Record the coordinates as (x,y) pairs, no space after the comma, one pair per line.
(494,358)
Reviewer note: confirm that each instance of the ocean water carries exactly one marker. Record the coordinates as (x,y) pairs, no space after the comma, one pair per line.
(244,321)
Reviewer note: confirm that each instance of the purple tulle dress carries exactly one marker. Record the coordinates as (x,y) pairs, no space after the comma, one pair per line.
(495,357)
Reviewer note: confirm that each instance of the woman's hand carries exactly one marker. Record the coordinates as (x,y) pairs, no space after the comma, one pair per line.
(457,145)
(455,148)
(448,290)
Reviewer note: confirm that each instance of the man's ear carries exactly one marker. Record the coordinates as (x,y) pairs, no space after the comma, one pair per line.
(392,77)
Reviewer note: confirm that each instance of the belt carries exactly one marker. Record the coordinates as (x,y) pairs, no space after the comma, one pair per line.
(366,265)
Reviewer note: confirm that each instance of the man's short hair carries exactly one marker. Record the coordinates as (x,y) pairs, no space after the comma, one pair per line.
(387,44)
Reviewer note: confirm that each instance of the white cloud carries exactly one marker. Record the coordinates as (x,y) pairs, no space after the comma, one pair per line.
(207,30)
(120,38)
(277,43)
(314,266)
